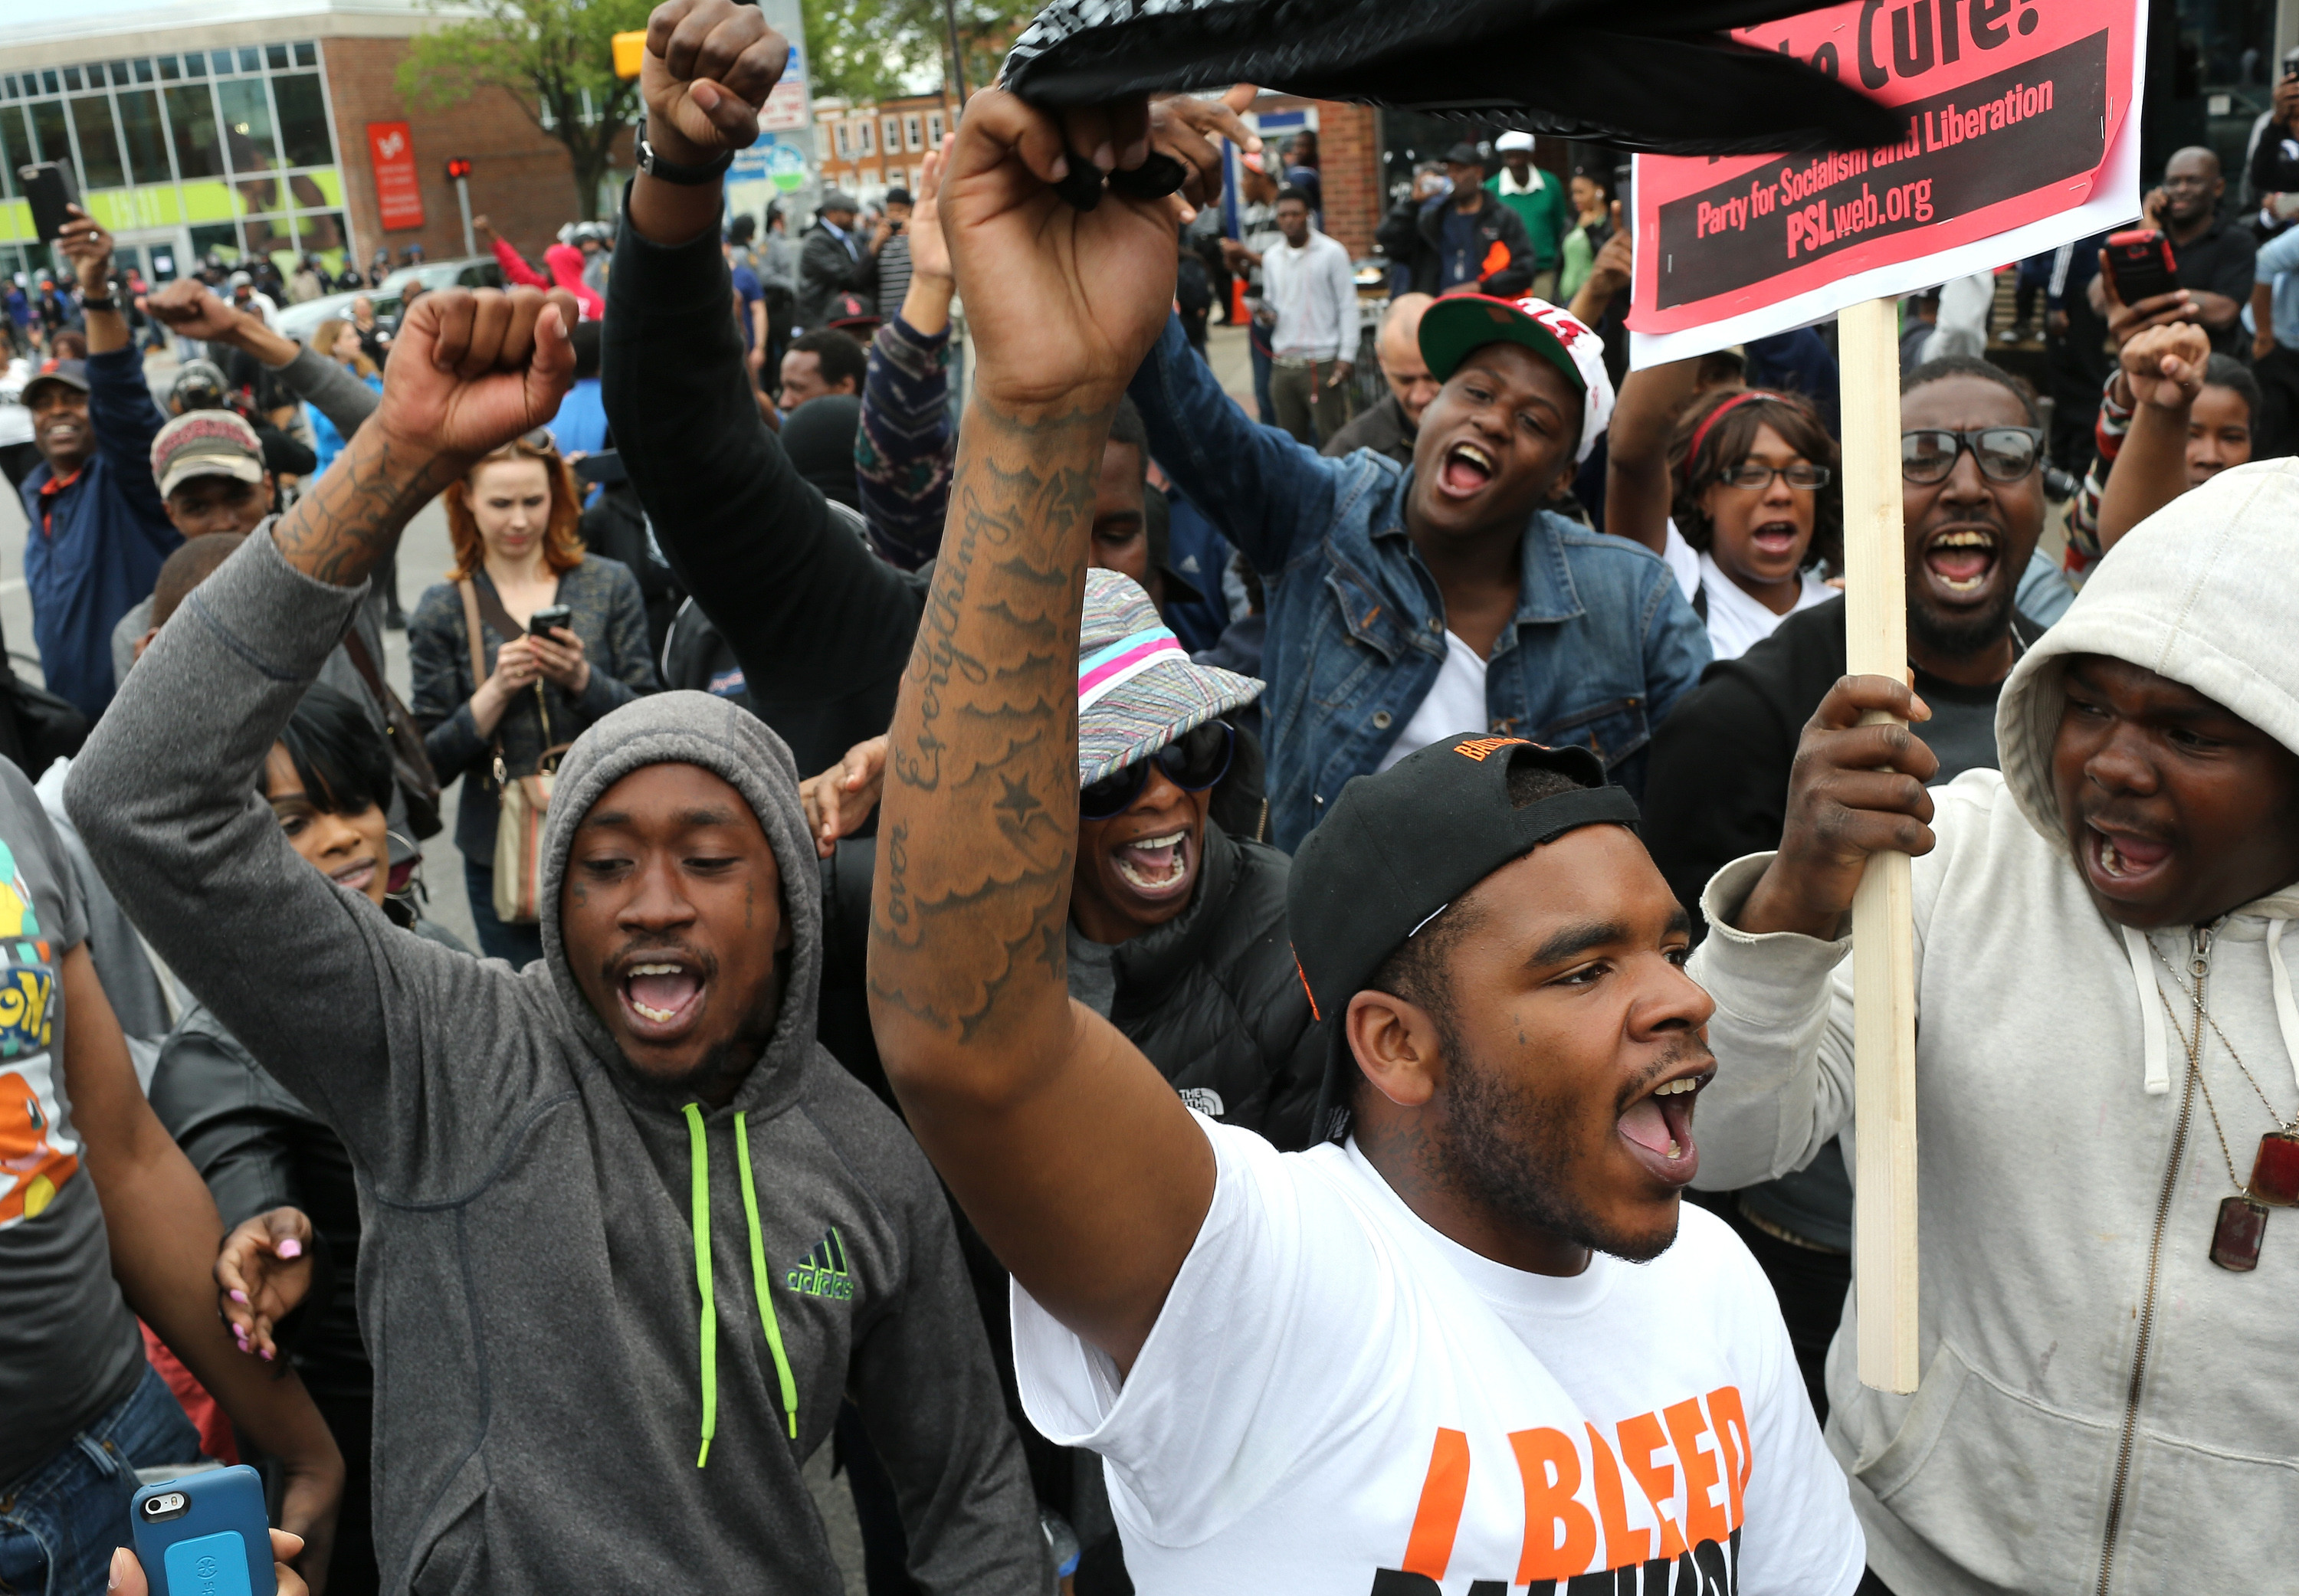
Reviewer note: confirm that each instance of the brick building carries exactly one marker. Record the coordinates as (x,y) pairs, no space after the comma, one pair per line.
(241,128)
(865,149)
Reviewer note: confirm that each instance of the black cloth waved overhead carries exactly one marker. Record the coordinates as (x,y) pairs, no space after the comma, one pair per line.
(1657,76)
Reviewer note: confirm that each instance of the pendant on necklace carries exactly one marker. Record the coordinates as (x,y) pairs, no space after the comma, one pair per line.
(2235,1240)
(2275,1173)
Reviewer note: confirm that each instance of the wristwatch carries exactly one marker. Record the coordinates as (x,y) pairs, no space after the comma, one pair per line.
(90,303)
(668,172)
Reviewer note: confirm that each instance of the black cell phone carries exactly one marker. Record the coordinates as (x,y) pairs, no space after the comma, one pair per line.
(549,617)
(2140,265)
(50,186)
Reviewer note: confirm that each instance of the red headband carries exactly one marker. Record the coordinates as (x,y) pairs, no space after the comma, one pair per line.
(1716,415)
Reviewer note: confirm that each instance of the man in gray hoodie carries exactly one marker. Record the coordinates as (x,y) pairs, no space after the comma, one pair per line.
(631,1233)
(2105,1048)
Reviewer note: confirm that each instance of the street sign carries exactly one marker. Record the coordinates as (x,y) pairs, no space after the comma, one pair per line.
(398,192)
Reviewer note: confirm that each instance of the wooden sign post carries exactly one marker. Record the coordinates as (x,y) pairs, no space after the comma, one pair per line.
(1883,921)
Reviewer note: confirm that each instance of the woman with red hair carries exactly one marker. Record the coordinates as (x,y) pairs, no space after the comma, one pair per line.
(513,521)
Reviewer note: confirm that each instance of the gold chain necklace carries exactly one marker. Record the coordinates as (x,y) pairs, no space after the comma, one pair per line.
(2242,1225)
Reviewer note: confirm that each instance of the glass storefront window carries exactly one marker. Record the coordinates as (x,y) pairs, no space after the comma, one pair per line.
(147,145)
(307,54)
(247,137)
(303,120)
(219,239)
(99,146)
(168,70)
(49,130)
(192,118)
(15,148)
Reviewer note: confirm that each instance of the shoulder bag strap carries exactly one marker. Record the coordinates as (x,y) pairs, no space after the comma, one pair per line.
(470,589)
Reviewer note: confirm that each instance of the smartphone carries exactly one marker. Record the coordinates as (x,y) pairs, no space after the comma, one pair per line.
(2140,265)
(550,615)
(204,1534)
(50,186)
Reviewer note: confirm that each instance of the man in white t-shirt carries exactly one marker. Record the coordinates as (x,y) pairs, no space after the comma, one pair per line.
(1308,281)
(1417,1359)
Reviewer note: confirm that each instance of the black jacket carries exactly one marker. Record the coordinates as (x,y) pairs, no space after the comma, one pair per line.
(1213,996)
(1717,788)
(1383,429)
(1414,235)
(826,270)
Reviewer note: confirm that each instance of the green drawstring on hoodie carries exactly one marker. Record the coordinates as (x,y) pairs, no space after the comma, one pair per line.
(698,1213)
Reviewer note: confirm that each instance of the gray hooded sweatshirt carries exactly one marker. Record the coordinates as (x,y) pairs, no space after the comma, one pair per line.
(565,1284)
(2103,1410)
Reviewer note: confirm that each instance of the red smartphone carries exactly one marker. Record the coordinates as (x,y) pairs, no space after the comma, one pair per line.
(2140,265)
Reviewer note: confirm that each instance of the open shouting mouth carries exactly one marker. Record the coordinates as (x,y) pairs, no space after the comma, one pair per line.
(661,994)
(1658,1126)
(1156,868)
(1466,471)
(1961,561)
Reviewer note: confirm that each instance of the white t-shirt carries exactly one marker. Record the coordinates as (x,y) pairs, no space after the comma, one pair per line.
(1736,622)
(1456,704)
(1336,1398)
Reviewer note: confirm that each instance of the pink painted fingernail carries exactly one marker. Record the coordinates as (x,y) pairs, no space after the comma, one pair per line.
(290,1248)
(240,1297)
(267,1354)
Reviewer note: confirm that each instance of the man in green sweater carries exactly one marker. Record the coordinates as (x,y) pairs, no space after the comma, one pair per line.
(1537,198)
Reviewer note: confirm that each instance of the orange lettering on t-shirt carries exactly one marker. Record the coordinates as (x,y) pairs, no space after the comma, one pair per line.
(1549,1504)
(1640,1437)
(1703,1516)
(1437,1518)
(1731,1422)
(1623,1545)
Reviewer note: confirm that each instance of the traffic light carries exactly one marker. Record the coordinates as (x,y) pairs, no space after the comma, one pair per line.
(458,169)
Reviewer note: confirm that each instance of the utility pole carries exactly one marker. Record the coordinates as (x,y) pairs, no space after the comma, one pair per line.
(957,50)
(459,169)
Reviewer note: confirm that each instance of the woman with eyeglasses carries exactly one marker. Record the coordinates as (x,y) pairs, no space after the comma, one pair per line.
(1743,500)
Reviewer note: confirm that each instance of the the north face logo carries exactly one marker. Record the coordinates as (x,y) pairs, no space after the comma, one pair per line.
(824,1273)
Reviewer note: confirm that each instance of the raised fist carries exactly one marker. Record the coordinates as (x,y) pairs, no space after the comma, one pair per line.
(472,369)
(191,308)
(709,66)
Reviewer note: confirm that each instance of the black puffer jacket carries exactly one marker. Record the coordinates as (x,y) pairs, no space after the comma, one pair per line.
(1212,997)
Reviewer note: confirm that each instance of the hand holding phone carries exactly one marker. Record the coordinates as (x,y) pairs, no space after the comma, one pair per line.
(204,1534)
(543,620)
(52,190)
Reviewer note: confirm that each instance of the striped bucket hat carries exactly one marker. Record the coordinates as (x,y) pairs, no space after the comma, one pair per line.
(1137,688)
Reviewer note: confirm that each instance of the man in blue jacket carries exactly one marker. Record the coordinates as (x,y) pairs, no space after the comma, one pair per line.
(98,530)
(1409,603)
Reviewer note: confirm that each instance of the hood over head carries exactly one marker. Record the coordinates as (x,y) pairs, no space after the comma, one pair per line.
(2202,592)
(693,728)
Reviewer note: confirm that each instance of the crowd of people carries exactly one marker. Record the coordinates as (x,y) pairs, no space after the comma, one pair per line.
(1142,967)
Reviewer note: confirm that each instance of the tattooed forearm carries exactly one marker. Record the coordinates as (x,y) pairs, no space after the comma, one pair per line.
(980,801)
(348,524)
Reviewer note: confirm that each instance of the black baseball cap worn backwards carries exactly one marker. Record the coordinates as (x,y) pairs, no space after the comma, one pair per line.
(1400,845)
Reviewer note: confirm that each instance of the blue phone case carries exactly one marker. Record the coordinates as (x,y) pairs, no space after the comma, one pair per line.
(220,1545)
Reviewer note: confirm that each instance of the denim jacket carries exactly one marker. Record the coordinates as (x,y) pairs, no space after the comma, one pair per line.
(1602,643)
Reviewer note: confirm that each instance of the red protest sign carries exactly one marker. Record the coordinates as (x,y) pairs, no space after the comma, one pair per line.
(398,194)
(2021,133)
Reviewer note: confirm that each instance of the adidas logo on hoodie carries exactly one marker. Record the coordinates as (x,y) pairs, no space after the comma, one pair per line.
(824,1272)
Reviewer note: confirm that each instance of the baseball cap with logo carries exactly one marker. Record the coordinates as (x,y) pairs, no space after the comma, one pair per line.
(1460,324)
(70,373)
(205,443)
(1396,851)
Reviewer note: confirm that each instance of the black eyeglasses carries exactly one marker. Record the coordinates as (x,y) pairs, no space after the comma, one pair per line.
(2004,454)
(1192,762)
(1755,476)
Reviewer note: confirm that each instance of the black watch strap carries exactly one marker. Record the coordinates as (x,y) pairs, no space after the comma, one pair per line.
(667,171)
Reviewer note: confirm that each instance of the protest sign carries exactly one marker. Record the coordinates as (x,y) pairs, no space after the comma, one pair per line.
(2020,124)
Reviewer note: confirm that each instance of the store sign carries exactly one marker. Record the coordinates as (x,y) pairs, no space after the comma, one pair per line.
(398,193)
(2021,133)
(788,108)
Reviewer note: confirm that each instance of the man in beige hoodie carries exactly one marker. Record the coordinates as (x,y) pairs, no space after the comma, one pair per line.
(2106,1034)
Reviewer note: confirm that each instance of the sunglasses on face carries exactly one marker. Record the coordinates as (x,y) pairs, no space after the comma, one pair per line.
(2003,453)
(1192,762)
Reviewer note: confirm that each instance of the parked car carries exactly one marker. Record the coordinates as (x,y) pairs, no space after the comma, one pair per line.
(299,322)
